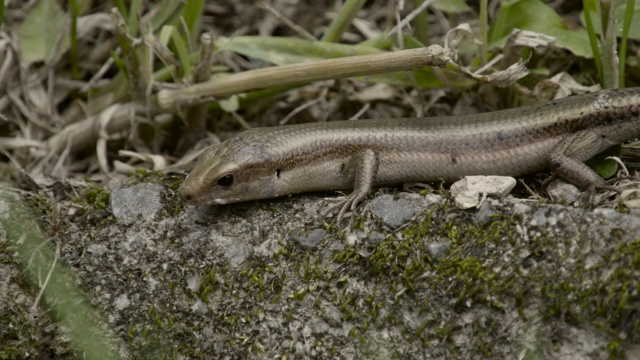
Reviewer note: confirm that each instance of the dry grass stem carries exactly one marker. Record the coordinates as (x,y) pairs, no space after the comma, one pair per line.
(297,74)
(84,134)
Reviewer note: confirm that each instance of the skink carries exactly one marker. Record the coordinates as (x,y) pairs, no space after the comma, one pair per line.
(343,155)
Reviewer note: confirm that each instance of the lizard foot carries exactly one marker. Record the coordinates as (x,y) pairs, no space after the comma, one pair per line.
(344,205)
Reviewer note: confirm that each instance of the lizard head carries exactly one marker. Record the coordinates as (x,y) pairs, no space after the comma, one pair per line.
(230,172)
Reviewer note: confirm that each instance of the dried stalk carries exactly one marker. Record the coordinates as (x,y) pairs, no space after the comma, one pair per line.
(297,74)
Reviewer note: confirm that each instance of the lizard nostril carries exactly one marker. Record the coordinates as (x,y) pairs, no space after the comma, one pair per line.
(185,196)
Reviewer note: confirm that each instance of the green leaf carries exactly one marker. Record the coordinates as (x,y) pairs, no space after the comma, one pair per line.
(534,15)
(164,13)
(169,33)
(192,17)
(621,6)
(452,6)
(341,22)
(606,168)
(134,13)
(283,51)
(120,6)
(38,33)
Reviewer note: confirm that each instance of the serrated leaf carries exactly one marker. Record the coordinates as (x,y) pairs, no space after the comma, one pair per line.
(38,33)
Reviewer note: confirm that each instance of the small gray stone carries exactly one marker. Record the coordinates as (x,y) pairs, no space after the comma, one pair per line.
(237,253)
(332,315)
(433,199)
(375,237)
(413,319)
(543,217)
(121,302)
(234,250)
(521,208)
(318,327)
(561,191)
(193,282)
(309,239)
(394,213)
(142,200)
(469,191)
(485,212)
(97,249)
(199,307)
(438,250)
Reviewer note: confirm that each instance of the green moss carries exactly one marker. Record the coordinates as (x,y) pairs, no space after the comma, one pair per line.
(97,197)
(93,207)
(606,299)
(170,182)
(22,336)
(469,275)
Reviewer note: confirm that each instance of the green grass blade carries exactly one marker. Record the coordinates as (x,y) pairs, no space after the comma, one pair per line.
(74,8)
(165,13)
(192,15)
(338,26)
(628,17)
(421,23)
(63,301)
(182,50)
(120,6)
(484,37)
(134,14)
(284,51)
(593,40)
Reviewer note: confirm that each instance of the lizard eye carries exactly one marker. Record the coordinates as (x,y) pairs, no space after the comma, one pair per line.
(226,180)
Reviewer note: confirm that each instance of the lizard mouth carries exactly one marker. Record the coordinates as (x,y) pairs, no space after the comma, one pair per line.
(190,197)
(205,199)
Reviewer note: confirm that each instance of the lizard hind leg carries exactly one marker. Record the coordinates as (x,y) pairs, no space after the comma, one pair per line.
(567,158)
(363,169)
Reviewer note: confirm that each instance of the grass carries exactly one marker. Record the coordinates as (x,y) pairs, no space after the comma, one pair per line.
(84,98)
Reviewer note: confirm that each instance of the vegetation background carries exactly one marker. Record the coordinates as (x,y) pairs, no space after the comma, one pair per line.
(94,92)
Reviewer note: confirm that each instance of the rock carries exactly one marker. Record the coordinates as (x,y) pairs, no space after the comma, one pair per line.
(469,191)
(393,212)
(130,204)
(562,191)
(309,239)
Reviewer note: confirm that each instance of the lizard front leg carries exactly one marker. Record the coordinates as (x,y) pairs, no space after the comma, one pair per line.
(363,169)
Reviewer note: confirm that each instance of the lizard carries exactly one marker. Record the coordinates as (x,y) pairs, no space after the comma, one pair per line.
(358,155)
